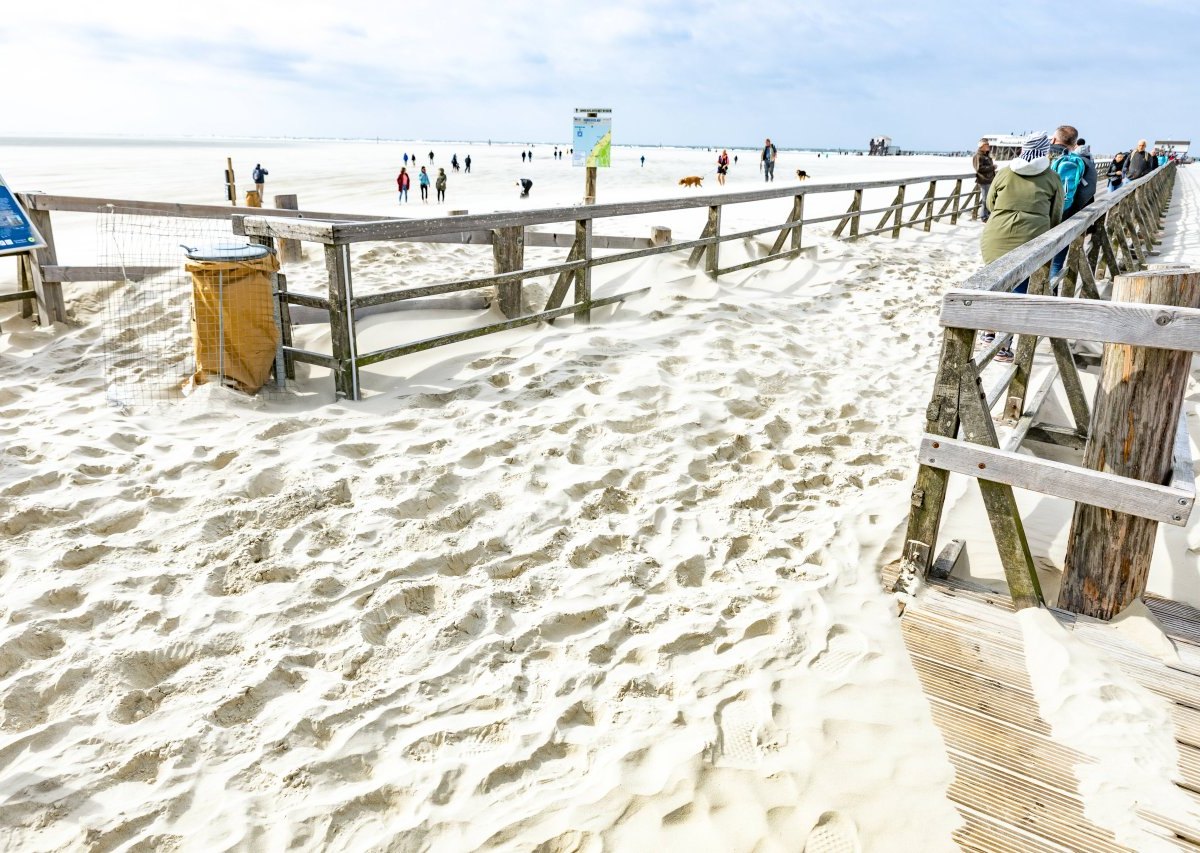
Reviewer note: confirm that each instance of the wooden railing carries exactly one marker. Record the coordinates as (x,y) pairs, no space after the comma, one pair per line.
(509,234)
(1116,234)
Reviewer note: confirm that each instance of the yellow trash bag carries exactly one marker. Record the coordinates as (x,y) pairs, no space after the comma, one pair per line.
(253,199)
(233,321)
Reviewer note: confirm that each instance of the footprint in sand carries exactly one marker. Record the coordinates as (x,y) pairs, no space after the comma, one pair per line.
(740,743)
(834,833)
(844,647)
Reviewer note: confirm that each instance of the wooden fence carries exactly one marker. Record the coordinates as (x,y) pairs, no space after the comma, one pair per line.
(1115,234)
(509,234)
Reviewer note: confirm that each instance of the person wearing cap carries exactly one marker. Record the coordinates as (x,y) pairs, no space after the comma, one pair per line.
(985,173)
(1026,201)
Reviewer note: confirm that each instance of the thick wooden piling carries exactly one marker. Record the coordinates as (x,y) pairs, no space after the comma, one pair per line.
(508,255)
(1133,431)
(290,251)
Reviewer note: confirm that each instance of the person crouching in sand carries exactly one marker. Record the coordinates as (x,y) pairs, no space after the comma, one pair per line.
(526,185)
(1026,201)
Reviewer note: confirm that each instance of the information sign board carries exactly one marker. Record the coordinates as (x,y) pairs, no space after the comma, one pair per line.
(17,233)
(592,138)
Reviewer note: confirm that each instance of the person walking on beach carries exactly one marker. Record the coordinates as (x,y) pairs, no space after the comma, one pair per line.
(643,161)
(454,162)
(1071,170)
(440,185)
(1026,201)
(722,167)
(403,180)
(526,185)
(768,160)
(467,164)
(1139,162)
(985,173)
(260,176)
(1116,171)
(430,158)
(522,156)
(423,180)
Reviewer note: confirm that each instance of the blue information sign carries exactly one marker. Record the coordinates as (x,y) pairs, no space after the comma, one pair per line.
(17,233)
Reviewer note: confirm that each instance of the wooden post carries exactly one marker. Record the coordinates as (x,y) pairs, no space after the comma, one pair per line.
(285,324)
(51,305)
(1039,285)
(798,218)
(583,275)
(24,282)
(858,194)
(290,251)
(341,322)
(508,255)
(1133,431)
(957,193)
(712,256)
(589,185)
(660,235)
(931,195)
(230,185)
(898,222)
(781,237)
(929,494)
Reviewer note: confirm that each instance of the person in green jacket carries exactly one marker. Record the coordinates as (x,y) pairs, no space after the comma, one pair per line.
(440,185)
(1026,201)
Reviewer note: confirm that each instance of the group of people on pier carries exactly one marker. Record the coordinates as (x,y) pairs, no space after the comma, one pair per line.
(1053,178)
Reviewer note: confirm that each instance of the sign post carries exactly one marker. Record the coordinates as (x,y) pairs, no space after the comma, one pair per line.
(592,147)
(230,186)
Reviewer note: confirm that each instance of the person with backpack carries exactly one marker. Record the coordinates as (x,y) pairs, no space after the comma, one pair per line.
(440,185)
(1070,169)
(403,180)
(260,176)
(985,173)
(423,180)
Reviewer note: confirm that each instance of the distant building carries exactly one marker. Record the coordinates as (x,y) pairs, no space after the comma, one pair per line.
(1005,146)
(1177,147)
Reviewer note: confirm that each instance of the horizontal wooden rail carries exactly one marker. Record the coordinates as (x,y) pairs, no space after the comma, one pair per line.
(1122,494)
(294,298)
(308,357)
(455,337)
(402,229)
(17,296)
(1164,327)
(60,273)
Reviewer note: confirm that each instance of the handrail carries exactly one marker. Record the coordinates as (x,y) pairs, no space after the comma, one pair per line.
(404,229)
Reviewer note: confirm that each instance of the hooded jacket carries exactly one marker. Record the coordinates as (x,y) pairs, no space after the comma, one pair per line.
(1070,169)
(1026,201)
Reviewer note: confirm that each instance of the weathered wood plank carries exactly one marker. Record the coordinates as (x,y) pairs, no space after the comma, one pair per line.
(342,338)
(508,255)
(1156,326)
(1134,432)
(69,274)
(1183,471)
(1047,477)
(1039,284)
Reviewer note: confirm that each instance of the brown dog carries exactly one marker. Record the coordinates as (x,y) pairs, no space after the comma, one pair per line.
(801,175)
(691,181)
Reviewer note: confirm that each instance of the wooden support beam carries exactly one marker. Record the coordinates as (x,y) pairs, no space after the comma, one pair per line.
(798,218)
(893,210)
(998,498)
(929,493)
(712,252)
(1039,284)
(898,222)
(52,307)
(957,193)
(583,276)
(285,325)
(59,273)
(1076,398)
(698,252)
(855,206)
(508,255)
(1127,495)
(1161,326)
(1134,430)
(290,251)
(796,214)
(341,322)
(929,206)
(1057,436)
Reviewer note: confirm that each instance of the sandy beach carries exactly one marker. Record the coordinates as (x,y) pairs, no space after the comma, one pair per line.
(576,588)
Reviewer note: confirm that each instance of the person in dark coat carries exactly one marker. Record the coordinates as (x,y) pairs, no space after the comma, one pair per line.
(1116,170)
(467,163)
(985,173)
(526,185)
(260,177)
(1139,162)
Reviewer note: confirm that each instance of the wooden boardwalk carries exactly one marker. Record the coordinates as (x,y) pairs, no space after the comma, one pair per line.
(1015,786)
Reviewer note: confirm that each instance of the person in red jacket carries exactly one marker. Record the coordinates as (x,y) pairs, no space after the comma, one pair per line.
(402,182)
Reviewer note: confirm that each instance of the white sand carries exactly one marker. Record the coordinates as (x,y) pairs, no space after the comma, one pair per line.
(610,587)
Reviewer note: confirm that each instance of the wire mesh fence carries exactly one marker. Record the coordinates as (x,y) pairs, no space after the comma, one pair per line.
(173,323)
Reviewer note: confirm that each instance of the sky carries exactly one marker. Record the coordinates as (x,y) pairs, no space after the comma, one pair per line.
(808,73)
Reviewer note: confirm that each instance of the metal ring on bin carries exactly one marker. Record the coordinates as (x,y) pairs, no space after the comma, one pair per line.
(226,251)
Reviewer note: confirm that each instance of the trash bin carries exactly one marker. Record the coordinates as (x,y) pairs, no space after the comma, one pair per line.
(253,199)
(233,313)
